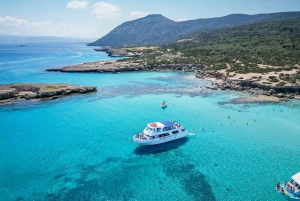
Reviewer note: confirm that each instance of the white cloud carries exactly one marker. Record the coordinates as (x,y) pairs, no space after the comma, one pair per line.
(14,26)
(76,4)
(138,14)
(182,19)
(105,10)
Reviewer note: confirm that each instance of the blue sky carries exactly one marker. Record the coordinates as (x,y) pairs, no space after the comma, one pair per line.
(94,18)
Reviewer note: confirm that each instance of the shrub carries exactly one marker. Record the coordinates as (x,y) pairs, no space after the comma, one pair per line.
(281,84)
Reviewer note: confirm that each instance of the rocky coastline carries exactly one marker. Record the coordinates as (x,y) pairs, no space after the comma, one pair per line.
(224,82)
(119,67)
(12,92)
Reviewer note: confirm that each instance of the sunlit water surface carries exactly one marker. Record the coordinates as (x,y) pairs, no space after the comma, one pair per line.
(79,147)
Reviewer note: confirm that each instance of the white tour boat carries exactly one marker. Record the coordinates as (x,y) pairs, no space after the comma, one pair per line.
(291,189)
(160,132)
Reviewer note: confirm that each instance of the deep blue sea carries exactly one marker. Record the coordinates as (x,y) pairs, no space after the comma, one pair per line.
(79,147)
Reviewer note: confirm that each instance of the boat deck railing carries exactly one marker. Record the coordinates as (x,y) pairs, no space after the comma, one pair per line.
(292,186)
(141,136)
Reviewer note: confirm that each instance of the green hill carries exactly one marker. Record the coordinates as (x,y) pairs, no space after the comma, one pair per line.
(272,43)
(153,28)
(157,29)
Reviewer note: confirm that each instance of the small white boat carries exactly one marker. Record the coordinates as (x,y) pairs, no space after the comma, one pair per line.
(164,104)
(160,132)
(291,189)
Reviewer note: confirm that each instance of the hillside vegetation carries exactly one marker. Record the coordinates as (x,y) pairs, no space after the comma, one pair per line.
(256,48)
(157,29)
(272,43)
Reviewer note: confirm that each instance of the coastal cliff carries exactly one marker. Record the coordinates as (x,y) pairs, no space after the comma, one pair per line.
(27,91)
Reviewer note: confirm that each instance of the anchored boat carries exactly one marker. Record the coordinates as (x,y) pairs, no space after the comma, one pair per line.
(164,104)
(160,132)
(291,189)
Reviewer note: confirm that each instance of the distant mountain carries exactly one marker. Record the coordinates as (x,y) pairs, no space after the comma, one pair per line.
(153,28)
(41,39)
(159,29)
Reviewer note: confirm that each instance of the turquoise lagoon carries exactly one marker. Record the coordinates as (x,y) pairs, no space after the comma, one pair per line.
(79,147)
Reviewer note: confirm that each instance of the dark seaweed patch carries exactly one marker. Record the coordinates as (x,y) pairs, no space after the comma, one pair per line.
(58,176)
(112,159)
(193,181)
(94,183)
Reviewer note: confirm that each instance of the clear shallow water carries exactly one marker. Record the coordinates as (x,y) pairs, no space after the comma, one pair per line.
(79,147)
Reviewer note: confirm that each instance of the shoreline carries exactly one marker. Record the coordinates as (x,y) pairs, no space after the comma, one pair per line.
(124,66)
(223,82)
(220,79)
(31,91)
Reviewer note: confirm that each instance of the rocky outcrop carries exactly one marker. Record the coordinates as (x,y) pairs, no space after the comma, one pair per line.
(7,93)
(40,91)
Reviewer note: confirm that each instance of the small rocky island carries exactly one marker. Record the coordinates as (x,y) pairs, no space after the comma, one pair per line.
(11,92)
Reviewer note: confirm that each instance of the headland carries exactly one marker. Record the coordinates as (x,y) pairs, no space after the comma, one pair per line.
(12,92)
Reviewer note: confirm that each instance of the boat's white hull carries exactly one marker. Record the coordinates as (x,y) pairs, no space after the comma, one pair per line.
(160,140)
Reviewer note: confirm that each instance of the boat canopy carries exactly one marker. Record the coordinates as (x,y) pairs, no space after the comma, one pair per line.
(161,124)
(167,123)
(296,178)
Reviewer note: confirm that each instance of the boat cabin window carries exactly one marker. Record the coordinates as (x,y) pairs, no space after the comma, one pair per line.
(158,129)
(167,128)
(175,132)
(163,135)
(150,129)
(295,184)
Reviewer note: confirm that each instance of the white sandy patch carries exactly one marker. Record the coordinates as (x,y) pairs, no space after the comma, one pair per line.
(265,76)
